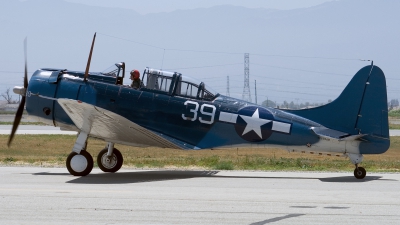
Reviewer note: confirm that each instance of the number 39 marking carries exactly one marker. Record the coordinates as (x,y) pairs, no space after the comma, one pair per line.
(206,120)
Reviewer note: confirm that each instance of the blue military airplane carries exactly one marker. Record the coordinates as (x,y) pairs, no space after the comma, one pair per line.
(171,110)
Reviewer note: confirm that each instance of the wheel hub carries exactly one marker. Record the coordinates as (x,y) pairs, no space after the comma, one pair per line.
(79,163)
(109,162)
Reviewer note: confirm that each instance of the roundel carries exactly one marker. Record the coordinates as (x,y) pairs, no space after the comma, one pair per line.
(254,124)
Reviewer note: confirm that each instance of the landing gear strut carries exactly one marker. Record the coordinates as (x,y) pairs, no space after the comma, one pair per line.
(359,172)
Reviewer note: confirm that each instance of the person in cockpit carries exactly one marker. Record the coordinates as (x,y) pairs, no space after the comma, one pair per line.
(135,77)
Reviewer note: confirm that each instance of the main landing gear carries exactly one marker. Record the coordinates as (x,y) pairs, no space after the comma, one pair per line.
(359,172)
(110,159)
(80,162)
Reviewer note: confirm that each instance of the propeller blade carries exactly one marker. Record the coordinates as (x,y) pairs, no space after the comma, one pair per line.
(17,119)
(26,65)
(89,59)
(21,106)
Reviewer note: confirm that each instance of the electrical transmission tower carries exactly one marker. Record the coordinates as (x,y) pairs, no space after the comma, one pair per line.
(246,89)
(227,86)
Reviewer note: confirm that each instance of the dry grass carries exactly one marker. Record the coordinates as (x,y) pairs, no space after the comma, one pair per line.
(52,150)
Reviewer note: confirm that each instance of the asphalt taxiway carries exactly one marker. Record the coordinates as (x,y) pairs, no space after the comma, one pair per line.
(33,195)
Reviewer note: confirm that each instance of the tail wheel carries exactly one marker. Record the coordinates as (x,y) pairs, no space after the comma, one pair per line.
(360,173)
(79,164)
(110,163)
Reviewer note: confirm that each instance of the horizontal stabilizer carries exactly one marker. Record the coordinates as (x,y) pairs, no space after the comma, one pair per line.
(326,132)
(353,137)
(334,134)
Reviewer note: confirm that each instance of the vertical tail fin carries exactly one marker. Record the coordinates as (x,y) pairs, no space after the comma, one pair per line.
(360,108)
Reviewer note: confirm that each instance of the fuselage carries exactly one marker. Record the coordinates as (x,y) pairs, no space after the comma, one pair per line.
(199,122)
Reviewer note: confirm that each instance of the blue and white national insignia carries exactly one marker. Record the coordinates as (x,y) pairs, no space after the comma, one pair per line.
(254,124)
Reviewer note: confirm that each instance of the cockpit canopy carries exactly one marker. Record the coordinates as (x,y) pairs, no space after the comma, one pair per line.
(175,83)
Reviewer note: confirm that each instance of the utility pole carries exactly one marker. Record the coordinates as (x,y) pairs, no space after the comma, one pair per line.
(255,90)
(246,89)
(227,86)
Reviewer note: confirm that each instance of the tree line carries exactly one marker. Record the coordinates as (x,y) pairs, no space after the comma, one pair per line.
(7,95)
(291,105)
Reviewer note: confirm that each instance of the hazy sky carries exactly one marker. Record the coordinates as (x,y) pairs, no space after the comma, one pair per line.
(155,6)
(294,54)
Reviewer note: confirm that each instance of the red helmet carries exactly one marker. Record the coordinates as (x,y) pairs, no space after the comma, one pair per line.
(135,74)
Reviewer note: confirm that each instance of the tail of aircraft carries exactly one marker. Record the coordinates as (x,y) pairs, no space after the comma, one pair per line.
(360,109)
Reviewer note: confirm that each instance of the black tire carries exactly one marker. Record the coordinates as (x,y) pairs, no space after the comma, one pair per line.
(360,173)
(78,165)
(110,164)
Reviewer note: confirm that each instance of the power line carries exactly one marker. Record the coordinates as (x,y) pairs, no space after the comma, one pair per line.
(310,71)
(231,53)
(128,40)
(309,57)
(197,67)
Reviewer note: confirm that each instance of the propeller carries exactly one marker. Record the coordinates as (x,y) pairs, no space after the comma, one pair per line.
(21,106)
(89,59)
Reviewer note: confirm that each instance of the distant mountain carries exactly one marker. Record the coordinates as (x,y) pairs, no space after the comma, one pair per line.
(59,35)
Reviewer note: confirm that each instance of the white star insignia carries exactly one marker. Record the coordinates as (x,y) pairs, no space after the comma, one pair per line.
(254,123)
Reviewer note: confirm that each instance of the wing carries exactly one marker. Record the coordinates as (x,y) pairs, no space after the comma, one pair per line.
(111,127)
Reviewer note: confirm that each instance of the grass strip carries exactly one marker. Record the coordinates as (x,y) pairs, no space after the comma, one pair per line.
(52,150)
(394,114)
(394,126)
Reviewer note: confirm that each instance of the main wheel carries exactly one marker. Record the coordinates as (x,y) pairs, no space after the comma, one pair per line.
(79,164)
(360,173)
(110,163)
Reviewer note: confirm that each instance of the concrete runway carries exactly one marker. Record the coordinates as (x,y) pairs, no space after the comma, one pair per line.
(11,117)
(34,129)
(31,195)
